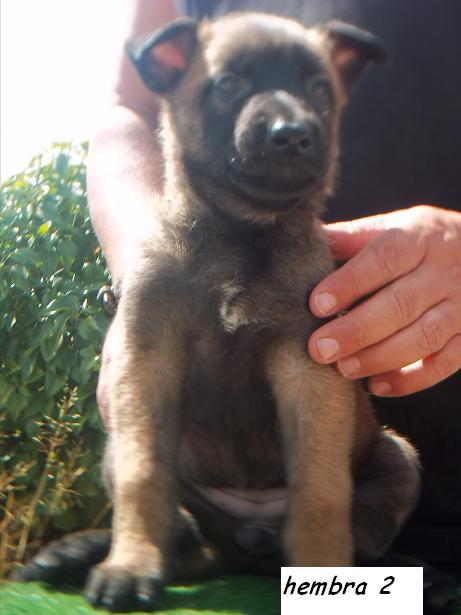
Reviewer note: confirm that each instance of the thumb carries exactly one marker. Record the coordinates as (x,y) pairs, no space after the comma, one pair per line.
(348,238)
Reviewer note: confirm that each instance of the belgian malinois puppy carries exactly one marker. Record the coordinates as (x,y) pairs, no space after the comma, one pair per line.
(230,449)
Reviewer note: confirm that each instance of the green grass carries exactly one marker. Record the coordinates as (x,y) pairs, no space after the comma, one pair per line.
(227,595)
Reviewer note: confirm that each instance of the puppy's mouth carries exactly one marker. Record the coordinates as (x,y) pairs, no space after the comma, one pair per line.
(271,180)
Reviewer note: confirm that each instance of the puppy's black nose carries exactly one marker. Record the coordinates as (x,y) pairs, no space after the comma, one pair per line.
(291,137)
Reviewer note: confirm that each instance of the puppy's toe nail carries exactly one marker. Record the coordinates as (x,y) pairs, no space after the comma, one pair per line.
(148,591)
(108,603)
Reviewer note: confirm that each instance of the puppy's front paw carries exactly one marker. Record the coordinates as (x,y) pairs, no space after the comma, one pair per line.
(124,588)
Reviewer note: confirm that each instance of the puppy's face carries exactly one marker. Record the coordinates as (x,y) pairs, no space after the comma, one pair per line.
(254,100)
(268,108)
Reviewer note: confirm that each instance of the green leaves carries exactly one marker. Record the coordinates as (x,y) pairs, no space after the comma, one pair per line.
(51,339)
(51,271)
(44,228)
(51,326)
(25,256)
(68,252)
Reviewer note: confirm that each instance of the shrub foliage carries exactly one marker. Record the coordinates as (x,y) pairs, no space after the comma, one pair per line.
(51,330)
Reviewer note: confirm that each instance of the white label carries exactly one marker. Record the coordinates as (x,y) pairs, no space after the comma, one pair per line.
(352,591)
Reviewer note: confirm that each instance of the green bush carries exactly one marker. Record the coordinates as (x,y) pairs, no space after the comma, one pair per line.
(51,331)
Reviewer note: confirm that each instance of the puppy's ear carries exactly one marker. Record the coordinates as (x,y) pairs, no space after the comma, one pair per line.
(352,50)
(163,58)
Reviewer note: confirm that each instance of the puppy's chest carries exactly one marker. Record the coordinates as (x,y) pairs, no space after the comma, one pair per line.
(242,305)
(252,291)
(241,301)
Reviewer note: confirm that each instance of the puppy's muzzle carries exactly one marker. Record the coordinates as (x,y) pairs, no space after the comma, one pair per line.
(279,144)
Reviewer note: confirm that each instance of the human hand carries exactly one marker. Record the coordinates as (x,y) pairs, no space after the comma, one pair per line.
(405,269)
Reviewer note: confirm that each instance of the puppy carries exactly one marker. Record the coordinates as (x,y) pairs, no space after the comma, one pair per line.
(230,449)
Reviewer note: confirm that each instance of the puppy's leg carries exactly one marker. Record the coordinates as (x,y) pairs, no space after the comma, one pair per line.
(144,382)
(316,410)
(194,557)
(386,491)
(67,560)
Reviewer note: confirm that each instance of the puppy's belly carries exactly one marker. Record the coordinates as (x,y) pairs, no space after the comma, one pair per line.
(246,524)
(260,506)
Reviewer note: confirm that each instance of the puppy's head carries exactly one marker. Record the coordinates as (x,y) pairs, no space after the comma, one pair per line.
(253,102)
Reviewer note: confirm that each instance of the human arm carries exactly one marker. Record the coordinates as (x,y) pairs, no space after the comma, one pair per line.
(124,171)
(405,269)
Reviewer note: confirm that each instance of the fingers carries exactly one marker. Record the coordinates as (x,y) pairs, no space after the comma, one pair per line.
(426,336)
(347,238)
(385,258)
(391,309)
(402,287)
(420,375)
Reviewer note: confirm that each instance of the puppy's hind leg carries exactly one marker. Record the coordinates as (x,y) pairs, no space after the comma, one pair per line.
(193,557)
(67,560)
(386,491)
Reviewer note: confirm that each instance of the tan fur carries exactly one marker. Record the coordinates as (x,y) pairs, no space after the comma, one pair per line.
(208,381)
(142,446)
(318,431)
(323,418)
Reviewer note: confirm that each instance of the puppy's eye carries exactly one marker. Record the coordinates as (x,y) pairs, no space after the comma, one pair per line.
(320,90)
(229,83)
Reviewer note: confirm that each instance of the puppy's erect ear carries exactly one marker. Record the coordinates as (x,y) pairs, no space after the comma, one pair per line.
(352,49)
(163,58)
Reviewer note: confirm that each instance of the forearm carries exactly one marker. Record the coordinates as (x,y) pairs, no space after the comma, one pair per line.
(124,178)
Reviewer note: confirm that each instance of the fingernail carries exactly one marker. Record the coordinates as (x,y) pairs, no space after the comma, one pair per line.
(349,367)
(381,388)
(327,348)
(325,303)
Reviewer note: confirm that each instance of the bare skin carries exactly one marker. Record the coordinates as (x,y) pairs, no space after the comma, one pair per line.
(124,163)
(409,262)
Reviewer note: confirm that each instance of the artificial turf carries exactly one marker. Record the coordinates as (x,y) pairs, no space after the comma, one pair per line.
(227,595)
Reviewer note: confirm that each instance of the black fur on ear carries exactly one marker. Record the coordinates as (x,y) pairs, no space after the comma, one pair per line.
(352,49)
(164,57)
